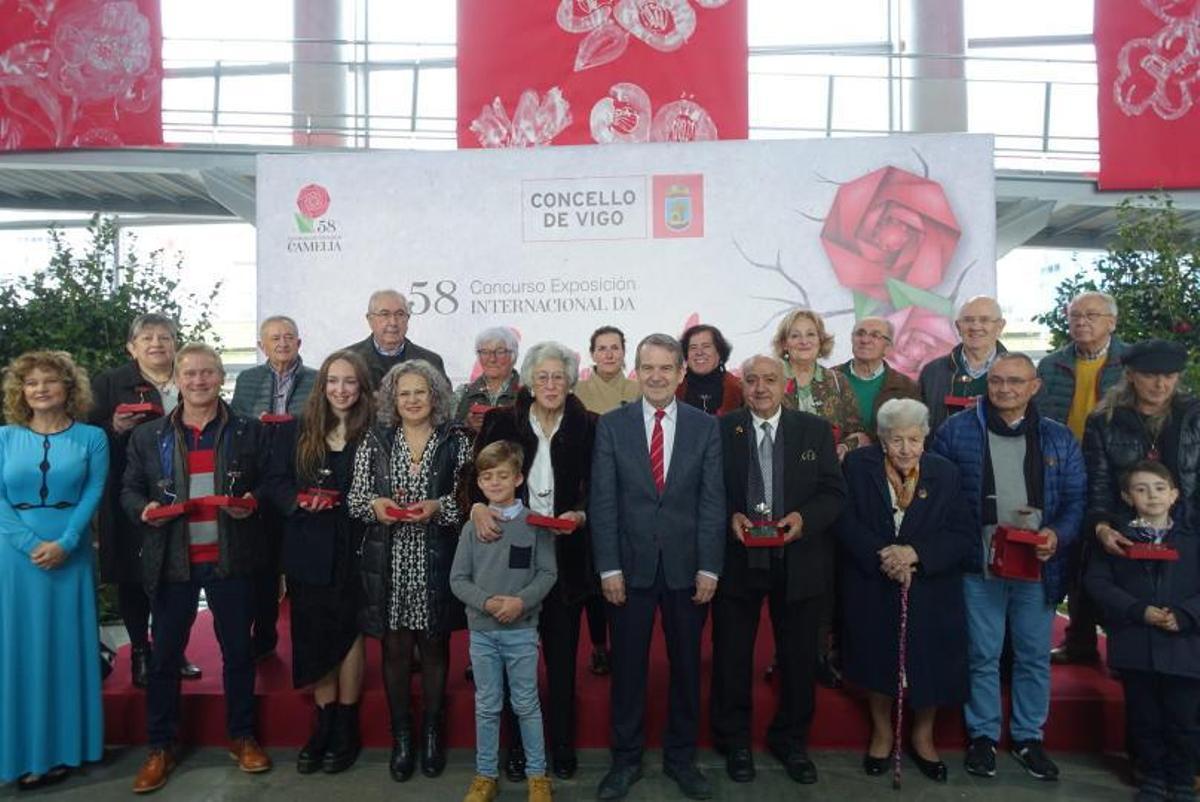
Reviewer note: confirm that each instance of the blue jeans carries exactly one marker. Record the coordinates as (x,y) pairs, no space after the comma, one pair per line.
(174,610)
(493,654)
(990,603)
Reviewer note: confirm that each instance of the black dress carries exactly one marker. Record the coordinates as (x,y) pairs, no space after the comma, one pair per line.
(320,560)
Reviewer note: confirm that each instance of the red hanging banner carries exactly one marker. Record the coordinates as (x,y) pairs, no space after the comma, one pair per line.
(83,74)
(1148,65)
(598,71)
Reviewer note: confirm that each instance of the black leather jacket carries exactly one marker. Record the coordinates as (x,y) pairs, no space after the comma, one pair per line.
(1113,444)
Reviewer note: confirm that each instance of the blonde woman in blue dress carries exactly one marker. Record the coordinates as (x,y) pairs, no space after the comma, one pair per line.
(52,472)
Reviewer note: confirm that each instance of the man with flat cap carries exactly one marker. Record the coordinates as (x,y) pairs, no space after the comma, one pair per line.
(1146,415)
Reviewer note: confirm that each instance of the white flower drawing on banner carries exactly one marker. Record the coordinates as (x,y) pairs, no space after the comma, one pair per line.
(536,120)
(1159,72)
(624,115)
(100,54)
(665,25)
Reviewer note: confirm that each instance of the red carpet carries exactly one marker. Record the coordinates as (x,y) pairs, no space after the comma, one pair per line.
(1086,709)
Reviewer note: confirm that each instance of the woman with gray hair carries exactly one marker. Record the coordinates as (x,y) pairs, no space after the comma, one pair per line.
(497,385)
(405,488)
(905,526)
(556,432)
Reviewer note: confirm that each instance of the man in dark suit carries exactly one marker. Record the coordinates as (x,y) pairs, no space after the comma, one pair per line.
(387,315)
(780,465)
(658,520)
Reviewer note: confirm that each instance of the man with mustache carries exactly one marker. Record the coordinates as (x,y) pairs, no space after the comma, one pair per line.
(280,386)
(780,464)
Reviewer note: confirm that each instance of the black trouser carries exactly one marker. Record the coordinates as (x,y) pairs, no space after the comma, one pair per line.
(597,622)
(133,605)
(830,610)
(558,625)
(1080,638)
(735,627)
(632,628)
(1161,713)
(266,587)
(174,610)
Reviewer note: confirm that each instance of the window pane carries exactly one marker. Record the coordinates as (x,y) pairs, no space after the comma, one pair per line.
(222,20)
(1028,17)
(788,22)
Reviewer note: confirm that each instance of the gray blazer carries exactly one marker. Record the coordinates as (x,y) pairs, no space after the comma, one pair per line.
(633,527)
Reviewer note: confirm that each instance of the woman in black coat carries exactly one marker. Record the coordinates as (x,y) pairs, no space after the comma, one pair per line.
(905,523)
(557,468)
(406,489)
(147,380)
(320,554)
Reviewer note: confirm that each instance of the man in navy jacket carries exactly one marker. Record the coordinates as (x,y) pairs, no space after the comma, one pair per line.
(657,510)
(1026,471)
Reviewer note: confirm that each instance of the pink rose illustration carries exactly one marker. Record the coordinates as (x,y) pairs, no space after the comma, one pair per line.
(313,201)
(921,336)
(890,223)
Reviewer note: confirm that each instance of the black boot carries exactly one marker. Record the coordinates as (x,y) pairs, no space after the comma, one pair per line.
(433,750)
(345,743)
(139,665)
(404,758)
(312,753)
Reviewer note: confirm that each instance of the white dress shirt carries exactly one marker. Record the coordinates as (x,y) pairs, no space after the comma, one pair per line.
(758,422)
(668,429)
(541,473)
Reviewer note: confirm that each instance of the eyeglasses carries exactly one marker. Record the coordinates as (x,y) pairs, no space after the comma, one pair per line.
(545,379)
(492,353)
(1007,381)
(1090,317)
(387,314)
(874,335)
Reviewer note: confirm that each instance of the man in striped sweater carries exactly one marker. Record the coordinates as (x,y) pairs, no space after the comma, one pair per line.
(200,451)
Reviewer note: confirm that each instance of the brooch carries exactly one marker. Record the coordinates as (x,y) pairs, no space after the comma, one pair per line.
(808,456)
(738,430)
(922,493)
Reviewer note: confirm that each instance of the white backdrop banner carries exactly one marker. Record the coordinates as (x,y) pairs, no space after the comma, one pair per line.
(555,242)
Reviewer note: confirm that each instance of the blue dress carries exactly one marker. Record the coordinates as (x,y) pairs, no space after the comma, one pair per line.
(50,712)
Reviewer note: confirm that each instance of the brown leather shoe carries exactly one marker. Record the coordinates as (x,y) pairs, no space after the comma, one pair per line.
(154,772)
(249,755)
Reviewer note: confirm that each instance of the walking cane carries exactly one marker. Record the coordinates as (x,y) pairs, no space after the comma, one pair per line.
(902,685)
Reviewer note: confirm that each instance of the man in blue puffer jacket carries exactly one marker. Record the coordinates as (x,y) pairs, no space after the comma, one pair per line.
(1024,470)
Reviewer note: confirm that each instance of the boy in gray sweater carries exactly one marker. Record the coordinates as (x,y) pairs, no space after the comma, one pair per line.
(502,583)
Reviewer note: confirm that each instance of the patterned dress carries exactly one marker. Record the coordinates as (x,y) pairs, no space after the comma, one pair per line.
(408,590)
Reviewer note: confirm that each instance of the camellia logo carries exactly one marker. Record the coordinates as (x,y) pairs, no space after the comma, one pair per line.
(316,232)
(313,202)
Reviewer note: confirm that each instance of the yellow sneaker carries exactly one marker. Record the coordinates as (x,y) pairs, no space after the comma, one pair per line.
(483,789)
(540,789)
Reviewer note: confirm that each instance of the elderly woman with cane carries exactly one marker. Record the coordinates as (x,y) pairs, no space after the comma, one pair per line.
(905,530)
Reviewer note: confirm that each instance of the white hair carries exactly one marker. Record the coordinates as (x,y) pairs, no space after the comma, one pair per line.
(999,313)
(901,413)
(378,294)
(497,334)
(1108,300)
(550,350)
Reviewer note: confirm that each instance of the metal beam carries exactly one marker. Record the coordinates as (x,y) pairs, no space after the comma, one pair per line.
(234,192)
(1019,221)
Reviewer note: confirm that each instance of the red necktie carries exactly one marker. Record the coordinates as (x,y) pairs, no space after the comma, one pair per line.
(656,451)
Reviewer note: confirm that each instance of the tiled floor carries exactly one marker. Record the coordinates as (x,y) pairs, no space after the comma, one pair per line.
(209,775)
